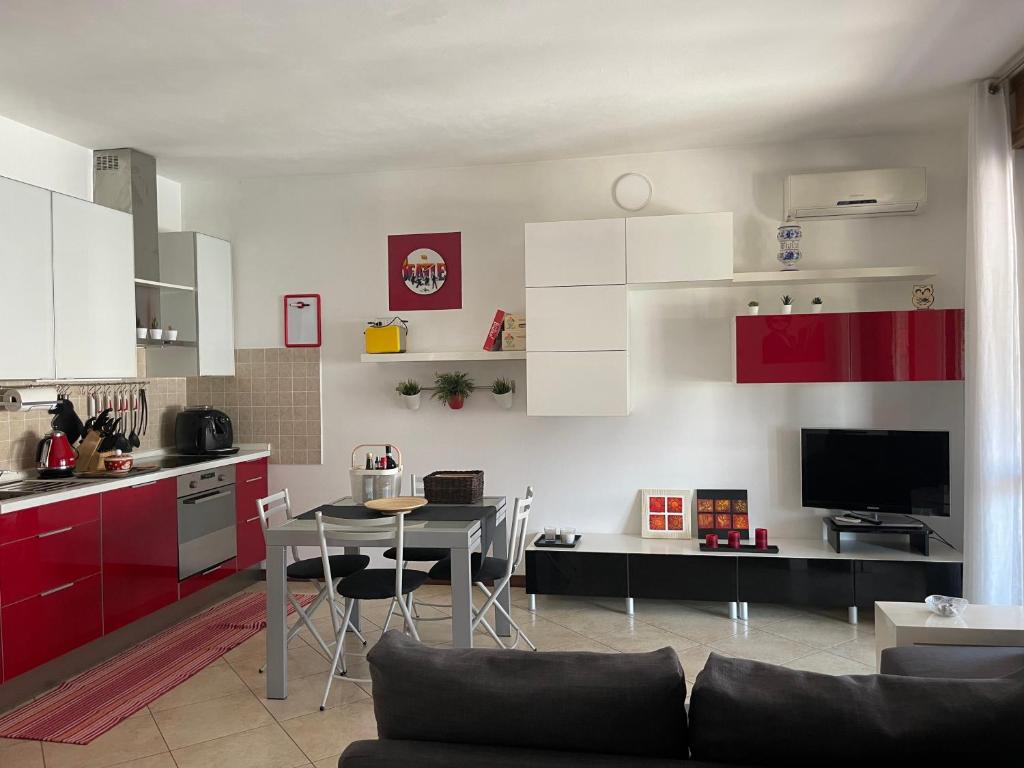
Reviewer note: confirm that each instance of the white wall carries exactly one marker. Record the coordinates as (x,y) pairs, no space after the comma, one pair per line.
(691,426)
(48,161)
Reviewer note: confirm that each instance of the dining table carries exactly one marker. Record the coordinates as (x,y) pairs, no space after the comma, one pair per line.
(462,529)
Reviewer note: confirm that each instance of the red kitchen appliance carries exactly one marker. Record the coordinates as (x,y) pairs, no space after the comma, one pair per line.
(55,456)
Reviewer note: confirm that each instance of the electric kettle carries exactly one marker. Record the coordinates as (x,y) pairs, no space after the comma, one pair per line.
(55,457)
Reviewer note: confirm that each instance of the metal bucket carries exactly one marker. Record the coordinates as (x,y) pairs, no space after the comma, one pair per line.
(370,484)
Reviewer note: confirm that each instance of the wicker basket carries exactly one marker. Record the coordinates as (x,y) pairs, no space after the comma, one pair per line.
(462,486)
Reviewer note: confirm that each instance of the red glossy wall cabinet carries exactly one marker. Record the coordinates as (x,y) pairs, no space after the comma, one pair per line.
(140,551)
(251,484)
(920,345)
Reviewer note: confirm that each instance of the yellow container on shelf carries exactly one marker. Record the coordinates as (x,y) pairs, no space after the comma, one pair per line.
(381,338)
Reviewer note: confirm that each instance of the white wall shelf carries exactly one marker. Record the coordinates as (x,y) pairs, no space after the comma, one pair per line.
(432,357)
(168,286)
(812,276)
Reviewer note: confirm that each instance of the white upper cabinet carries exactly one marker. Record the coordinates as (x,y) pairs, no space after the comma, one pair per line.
(577,383)
(560,253)
(687,247)
(215,307)
(93,290)
(581,318)
(26,289)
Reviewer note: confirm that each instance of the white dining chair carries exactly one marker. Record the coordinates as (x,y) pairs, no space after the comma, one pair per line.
(395,584)
(311,570)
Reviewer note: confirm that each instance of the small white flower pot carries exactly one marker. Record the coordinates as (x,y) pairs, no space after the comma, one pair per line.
(787,309)
(412,402)
(816,309)
(753,310)
(141,333)
(156,333)
(170,335)
(505,400)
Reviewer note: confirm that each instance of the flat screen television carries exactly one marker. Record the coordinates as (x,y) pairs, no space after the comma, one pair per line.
(876,471)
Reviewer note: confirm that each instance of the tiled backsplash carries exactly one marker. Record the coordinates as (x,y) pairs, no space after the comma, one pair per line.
(22,430)
(274,397)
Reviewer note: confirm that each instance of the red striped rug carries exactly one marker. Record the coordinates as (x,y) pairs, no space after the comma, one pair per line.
(85,707)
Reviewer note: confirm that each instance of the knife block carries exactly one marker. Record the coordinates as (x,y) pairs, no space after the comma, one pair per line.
(89,457)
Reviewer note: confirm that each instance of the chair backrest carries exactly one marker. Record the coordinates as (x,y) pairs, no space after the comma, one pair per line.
(520,527)
(276,505)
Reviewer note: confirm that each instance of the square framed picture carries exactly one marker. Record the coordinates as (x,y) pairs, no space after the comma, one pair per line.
(425,271)
(665,514)
(722,510)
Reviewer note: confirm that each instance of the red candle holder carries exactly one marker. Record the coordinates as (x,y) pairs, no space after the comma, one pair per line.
(734,539)
(711,540)
(761,538)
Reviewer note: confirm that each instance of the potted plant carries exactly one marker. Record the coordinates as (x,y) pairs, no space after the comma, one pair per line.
(452,389)
(409,390)
(171,334)
(501,389)
(787,304)
(753,307)
(141,331)
(155,331)
(816,304)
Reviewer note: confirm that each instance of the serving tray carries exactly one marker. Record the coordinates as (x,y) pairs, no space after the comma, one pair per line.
(556,544)
(748,548)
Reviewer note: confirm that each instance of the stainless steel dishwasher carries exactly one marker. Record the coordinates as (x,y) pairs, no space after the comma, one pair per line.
(206,520)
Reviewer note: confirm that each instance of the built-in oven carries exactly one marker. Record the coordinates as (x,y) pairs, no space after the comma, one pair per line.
(206,520)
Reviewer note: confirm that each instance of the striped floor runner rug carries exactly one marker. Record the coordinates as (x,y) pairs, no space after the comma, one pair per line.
(87,706)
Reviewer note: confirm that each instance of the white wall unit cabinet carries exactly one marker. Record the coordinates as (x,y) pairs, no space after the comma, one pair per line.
(26,290)
(204,317)
(587,318)
(562,253)
(688,247)
(93,290)
(577,383)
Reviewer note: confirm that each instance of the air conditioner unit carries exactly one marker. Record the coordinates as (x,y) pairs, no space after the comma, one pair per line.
(846,194)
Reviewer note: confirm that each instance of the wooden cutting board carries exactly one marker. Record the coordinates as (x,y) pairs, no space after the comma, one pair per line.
(397,505)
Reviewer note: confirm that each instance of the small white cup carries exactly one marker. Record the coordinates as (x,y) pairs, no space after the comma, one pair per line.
(568,535)
(550,533)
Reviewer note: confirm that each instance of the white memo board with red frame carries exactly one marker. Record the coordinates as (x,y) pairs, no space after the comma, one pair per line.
(302,327)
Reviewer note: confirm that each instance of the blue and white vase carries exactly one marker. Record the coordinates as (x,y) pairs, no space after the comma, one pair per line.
(789,245)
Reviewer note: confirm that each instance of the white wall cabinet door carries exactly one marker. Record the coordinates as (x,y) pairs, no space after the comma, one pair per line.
(93,290)
(581,318)
(682,248)
(214,307)
(576,253)
(26,288)
(577,383)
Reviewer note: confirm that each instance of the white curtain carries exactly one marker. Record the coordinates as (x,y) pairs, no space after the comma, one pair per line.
(994,477)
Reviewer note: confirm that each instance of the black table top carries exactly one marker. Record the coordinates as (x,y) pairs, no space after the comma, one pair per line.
(428,513)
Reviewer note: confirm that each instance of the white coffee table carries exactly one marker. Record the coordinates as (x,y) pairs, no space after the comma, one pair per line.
(913,624)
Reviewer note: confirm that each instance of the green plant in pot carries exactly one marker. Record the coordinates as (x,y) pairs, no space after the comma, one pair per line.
(452,389)
(501,389)
(787,304)
(410,392)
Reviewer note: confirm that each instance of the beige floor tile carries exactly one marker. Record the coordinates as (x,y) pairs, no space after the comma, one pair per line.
(644,637)
(819,631)
(699,626)
(861,650)
(155,761)
(303,660)
(693,660)
(265,747)
(323,734)
(25,754)
(829,664)
(4,743)
(593,620)
(765,614)
(217,680)
(579,643)
(760,645)
(136,737)
(328,762)
(306,693)
(193,723)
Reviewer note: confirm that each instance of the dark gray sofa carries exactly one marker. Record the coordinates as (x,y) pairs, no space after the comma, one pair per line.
(442,707)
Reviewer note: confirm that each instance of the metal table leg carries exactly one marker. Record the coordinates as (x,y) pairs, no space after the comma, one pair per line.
(462,600)
(734,610)
(277,623)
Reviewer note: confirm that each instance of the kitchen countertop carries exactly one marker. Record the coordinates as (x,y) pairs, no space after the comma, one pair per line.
(90,487)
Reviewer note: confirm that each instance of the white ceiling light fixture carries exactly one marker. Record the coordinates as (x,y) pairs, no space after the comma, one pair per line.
(632,191)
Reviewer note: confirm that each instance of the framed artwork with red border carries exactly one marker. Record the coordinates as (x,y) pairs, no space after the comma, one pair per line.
(425,271)
(665,514)
(302,321)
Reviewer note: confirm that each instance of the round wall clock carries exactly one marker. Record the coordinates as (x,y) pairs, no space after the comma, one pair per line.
(632,191)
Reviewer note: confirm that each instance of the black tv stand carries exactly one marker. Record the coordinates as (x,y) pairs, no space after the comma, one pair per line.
(918,532)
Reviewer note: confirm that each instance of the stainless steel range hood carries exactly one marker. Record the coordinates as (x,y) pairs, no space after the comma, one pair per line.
(125,179)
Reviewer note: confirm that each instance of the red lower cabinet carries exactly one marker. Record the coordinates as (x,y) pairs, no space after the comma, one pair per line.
(140,551)
(50,624)
(250,485)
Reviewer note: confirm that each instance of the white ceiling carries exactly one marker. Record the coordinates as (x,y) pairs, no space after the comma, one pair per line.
(255,87)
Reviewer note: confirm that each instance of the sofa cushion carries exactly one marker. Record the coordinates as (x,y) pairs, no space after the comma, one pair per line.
(628,704)
(388,753)
(952,661)
(745,711)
